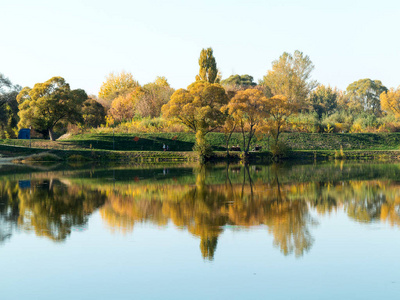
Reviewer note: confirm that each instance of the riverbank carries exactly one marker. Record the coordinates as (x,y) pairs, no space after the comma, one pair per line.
(147,147)
(24,154)
(184,142)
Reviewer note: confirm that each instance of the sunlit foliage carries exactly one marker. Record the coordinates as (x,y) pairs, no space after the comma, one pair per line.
(364,95)
(48,103)
(198,108)
(291,77)
(248,110)
(208,67)
(390,101)
(117,84)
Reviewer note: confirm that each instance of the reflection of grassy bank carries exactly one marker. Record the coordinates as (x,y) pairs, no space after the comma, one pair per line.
(172,173)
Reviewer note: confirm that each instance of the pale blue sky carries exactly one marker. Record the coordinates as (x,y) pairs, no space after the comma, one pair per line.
(83,41)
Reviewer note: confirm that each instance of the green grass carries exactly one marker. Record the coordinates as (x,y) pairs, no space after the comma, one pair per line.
(349,141)
(184,142)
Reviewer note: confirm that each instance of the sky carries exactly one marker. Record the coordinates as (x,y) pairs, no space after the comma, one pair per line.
(83,41)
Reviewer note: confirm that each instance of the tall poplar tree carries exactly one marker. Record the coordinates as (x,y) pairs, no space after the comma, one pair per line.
(208,67)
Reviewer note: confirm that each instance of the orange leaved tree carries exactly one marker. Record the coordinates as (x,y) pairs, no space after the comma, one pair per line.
(248,109)
(199,109)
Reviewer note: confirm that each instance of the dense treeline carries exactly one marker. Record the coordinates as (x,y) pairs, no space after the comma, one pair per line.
(285,99)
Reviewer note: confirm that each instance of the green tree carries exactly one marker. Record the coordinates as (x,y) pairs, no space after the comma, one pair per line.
(199,109)
(290,76)
(116,85)
(239,81)
(93,114)
(8,107)
(49,103)
(324,100)
(208,67)
(364,96)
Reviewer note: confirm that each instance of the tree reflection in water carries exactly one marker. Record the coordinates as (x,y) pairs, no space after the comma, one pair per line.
(204,205)
(49,207)
(204,209)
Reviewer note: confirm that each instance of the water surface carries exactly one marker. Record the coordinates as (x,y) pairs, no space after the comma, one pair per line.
(327,231)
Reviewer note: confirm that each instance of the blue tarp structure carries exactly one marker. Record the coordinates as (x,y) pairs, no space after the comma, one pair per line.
(24,184)
(24,134)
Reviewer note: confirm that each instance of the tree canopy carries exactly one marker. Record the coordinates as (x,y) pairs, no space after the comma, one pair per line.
(364,95)
(49,103)
(198,108)
(248,110)
(324,100)
(279,110)
(8,107)
(208,67)
(93,113)
(240,81)
(116,85)
(290,76)
(390,101)
(155,95)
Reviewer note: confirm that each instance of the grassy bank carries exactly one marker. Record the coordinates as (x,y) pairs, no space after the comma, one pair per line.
(185,141)
(182,142)
(95,155)
(148,147)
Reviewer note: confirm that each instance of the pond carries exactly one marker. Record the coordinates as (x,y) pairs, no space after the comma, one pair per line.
(323,231)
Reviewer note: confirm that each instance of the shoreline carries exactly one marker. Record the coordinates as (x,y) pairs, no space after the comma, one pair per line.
(11,153)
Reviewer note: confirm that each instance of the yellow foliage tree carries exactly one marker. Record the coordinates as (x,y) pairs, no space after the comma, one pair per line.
(199,109)
(279,110)
(154,96)
(248,110)
(116,85)
(123,107)
(390,101)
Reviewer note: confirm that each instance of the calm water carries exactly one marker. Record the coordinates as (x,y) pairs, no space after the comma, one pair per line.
(188,232)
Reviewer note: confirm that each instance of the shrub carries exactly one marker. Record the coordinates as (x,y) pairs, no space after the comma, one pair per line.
(42,157)
(280,149)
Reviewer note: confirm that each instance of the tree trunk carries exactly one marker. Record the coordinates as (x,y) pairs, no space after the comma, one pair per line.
(51,135)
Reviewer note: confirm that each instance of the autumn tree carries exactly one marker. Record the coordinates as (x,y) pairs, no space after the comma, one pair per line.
(248,110)
(279,109)
(238,81)
(290,76)
(199,109)
(49,103)
(208,67)
(364,96)
(324,100)
(116,84)
(390,101)
(154,96)
(123,107)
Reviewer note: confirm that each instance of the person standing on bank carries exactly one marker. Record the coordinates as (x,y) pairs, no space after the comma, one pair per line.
(163,147)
